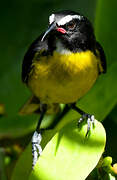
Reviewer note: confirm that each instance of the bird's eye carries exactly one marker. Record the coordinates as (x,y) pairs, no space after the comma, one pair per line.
(71,25)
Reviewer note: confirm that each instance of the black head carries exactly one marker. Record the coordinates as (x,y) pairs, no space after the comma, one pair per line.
(72,29)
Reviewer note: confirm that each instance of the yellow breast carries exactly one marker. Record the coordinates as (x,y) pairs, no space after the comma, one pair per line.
(63,78)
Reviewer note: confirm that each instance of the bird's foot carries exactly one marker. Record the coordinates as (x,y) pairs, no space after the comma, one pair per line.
(90,121)
(36,147)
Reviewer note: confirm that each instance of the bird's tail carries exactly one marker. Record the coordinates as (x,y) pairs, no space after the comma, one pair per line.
(32,105)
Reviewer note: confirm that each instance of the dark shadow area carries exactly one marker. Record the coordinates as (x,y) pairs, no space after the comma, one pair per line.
(110,124)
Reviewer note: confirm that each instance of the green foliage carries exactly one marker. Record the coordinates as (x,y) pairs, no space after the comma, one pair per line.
(22,22)
(67,154)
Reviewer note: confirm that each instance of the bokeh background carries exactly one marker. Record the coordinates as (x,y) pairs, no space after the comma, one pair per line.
(21,22)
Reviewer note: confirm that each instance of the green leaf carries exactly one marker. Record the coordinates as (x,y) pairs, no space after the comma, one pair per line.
(69,155)
(23,167)
(106,28)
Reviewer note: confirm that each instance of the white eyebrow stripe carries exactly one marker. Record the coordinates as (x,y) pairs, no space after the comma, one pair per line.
(51,18)
(68,18)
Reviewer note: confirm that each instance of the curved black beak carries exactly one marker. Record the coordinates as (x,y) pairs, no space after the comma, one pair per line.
(51,27)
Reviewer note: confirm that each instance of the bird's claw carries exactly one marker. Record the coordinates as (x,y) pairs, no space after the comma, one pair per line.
(90,121)
(36,147)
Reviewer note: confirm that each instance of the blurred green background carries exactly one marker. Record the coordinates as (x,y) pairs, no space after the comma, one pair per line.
(21,23)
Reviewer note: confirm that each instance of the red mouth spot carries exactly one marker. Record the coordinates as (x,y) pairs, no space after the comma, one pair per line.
(61,30)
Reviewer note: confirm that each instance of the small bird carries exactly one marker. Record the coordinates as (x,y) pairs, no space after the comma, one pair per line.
(60,67)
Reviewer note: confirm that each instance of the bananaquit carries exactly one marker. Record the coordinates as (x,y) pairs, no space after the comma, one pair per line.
(61,66)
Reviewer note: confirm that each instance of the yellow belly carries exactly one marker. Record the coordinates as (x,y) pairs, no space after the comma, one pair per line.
(63,78)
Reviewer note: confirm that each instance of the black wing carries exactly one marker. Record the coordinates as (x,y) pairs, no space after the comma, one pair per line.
(36,46)
(102,57)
